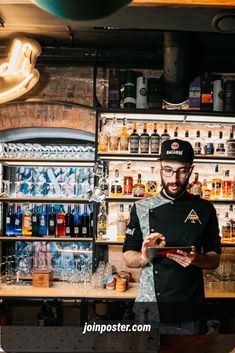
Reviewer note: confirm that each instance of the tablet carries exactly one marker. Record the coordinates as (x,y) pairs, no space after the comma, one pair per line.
(154,252)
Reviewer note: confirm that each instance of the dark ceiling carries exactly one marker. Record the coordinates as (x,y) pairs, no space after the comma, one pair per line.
(133,35)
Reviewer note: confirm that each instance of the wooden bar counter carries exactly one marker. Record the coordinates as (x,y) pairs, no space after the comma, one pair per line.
(79,291)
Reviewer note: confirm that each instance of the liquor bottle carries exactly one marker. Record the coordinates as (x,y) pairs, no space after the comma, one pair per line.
(18,221)
(230,145)
(216,184)
(154,93)
(151,184)
(206,92)
(138,188)
(227,186)
(124,138)
(141,92)
(103,138)
(144,140)
(206,191)
(113,136)
(85,223)
(52,222)
(103,183)
(165,136)
(91,222)
(209,148)
(35,222)
(27,222)
(43,226)
(155,140)
(60,223)
(134,140)
(10,222)
(196,186)
(121,224)
(176,132)
(226,229)
(114,89)
(102,222)
(127,185)
(77,222)
(69,223)
(130,89)
(116,188)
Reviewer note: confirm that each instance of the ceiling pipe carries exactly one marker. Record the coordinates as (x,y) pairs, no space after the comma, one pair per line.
(177,67)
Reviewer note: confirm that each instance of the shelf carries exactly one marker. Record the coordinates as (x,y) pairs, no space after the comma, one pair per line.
(108,242)
(46,162)
(155,157)
(133,199)
(46,238)
(57,200)
(228,245)
(169,115)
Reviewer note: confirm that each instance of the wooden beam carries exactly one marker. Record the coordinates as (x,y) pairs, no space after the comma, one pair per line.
(185,3)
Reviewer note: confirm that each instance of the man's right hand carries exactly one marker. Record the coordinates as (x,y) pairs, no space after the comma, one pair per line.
(155,240)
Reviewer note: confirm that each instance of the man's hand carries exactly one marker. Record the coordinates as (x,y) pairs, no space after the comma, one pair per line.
(155,240)
(183,258)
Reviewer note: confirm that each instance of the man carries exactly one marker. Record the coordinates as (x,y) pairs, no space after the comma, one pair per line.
(173,218)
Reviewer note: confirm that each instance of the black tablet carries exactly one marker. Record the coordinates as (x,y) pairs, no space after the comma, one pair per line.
(154,252)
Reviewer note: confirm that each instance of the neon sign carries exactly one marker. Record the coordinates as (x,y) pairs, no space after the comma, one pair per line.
(17,72)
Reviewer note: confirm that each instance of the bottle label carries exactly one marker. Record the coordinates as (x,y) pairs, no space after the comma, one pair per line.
(134,144)
(76,230)
(155,144)
(52,223)
(8,220)
(138,191)
(60,221)
(144,144)
(27,221)
(196,190)
(92,223)
(84,230)
(129,100)
(17,222)
(124,143)
(152,187)
(42,222)
(67,230)
(34,219)
(121,227)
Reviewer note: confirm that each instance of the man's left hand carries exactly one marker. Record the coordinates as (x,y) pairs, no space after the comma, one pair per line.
(183,258)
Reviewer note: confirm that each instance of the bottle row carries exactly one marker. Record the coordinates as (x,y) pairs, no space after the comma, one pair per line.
(113,140)
(217,188)
(133,89)
(49,220)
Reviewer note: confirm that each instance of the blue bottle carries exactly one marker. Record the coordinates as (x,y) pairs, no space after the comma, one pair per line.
(10,222)
(43,226)
(18,221)
(77,222)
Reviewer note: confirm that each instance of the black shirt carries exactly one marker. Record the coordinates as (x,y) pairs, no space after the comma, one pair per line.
(185,221)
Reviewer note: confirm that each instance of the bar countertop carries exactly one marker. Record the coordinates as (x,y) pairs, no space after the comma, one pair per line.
(80,291)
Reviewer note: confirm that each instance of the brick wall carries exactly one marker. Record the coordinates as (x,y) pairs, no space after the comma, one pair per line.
(65,84)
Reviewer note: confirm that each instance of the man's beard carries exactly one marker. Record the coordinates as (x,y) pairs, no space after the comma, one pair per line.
(180,190)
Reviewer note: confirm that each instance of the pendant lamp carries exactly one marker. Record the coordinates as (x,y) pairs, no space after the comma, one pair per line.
(81,10)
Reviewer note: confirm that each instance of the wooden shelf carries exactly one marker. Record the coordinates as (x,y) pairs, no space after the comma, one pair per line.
(47,162)
(57,200)
(46,238)
(108,242)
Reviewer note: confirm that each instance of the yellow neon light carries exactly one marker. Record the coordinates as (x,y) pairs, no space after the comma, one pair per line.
(17,73)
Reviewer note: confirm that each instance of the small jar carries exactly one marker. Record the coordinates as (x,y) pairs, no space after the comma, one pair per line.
(197,148)
(220,149)
(209,149)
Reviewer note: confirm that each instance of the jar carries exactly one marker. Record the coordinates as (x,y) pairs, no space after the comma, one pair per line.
(197,148)
(209,149)
(220,149)
(231,147)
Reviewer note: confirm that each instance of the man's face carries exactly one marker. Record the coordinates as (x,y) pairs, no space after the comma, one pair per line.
(175,177)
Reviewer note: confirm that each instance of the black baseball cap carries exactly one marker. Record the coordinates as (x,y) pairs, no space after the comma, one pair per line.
(178,150)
